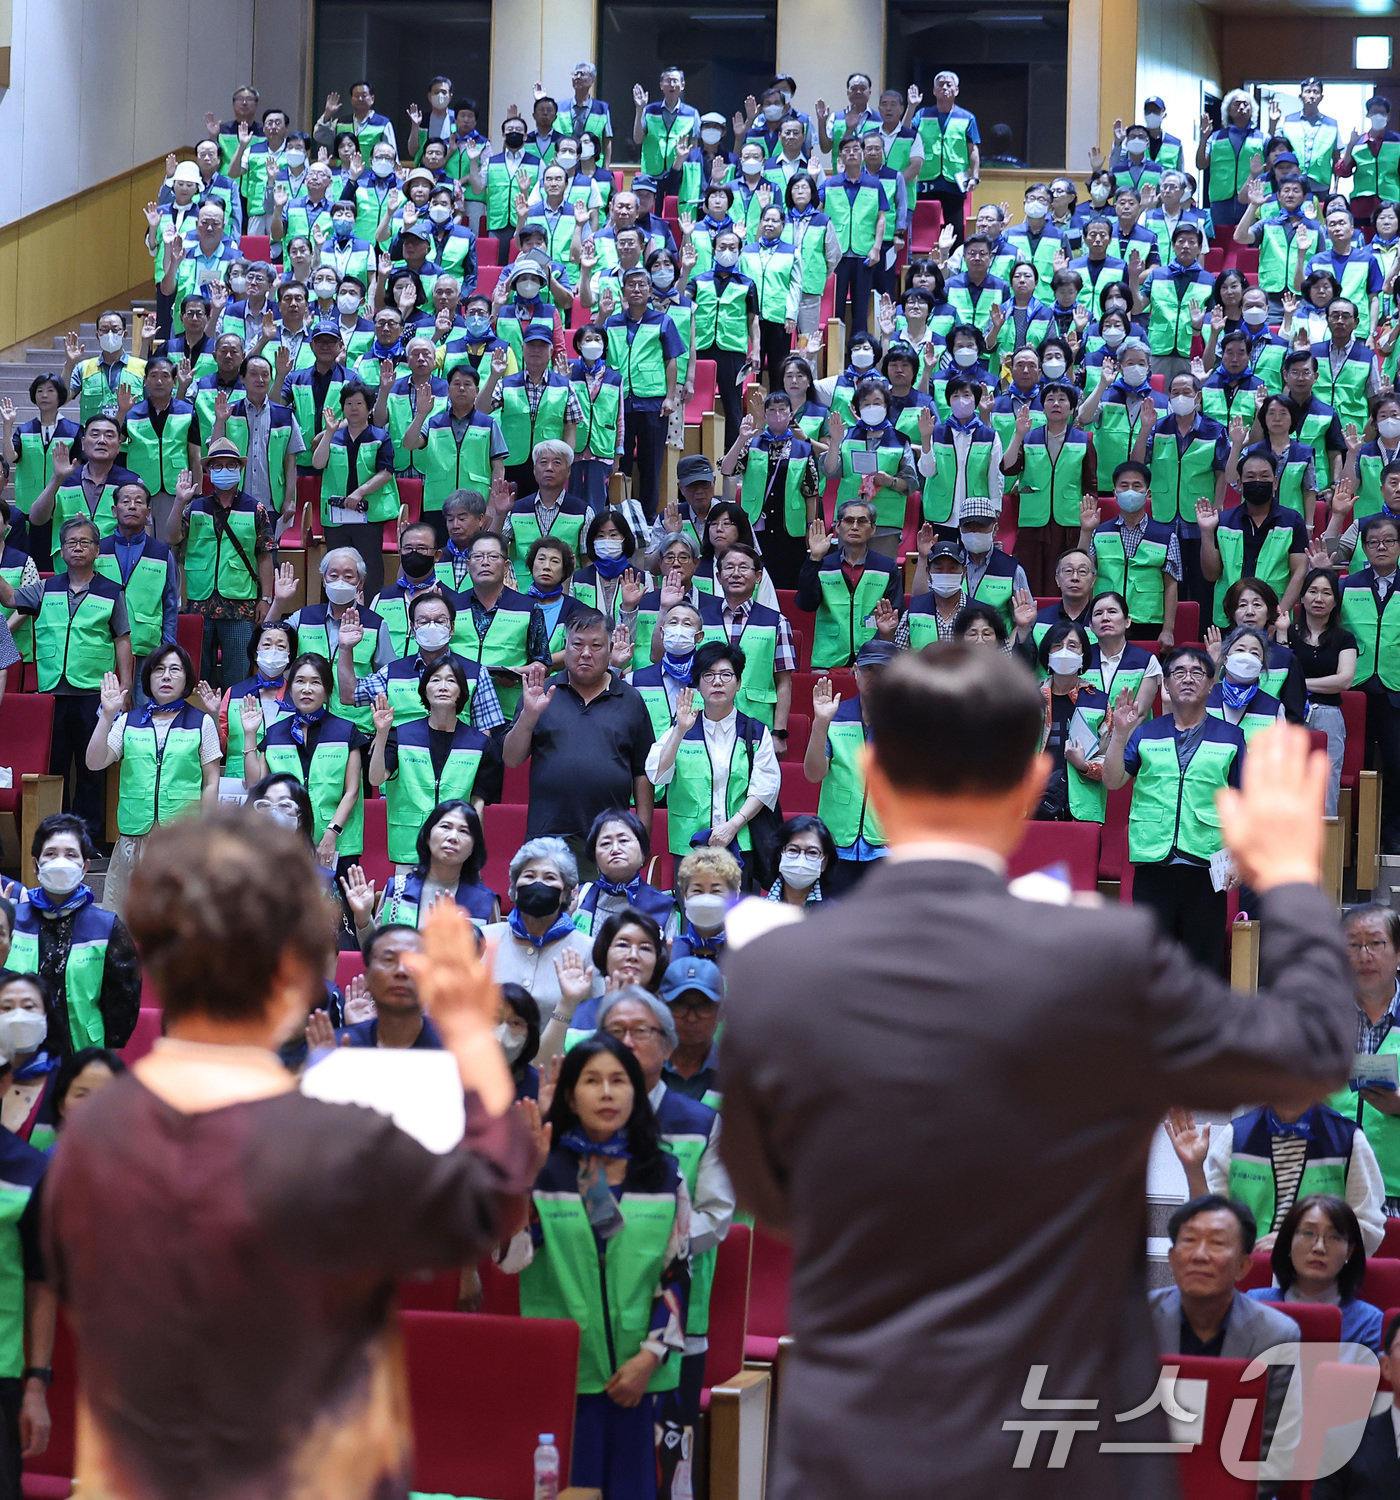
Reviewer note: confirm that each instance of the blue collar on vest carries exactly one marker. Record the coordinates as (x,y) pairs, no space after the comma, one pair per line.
(75,901)
(561,927)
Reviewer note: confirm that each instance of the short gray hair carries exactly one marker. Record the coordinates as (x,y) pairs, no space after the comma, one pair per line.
(586,67)
(1178,177)
(1244,633)
(853,503)
(556,446)
(685,539)
(1229,102)
(419,338)
(659,1009)
(345,552)
(556,851)
(948,73)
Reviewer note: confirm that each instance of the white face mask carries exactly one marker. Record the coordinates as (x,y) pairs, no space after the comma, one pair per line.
(238,285)
(1053,368)
(60,876)
(1136,147)
(284,817)
(1098,193)
(432,637)
(800,871)
(1113,337)
(111,342)
(872,416)
(679,640)
(511,1044)
(728,258)
(382,167)
(1131,500)
(1379,122)
(964,357)
(1134,376)
(1389,428)
(348,303)
(591,349)
(440,213)
(296,160)
(273,663)
(1065,661)
(1153,121)
(977,541)
(1183,406)
(863,358)
(962,407)
(1035,209)
(324,289)
(1243,666)
(710,135)
(773,113)
(1256,317)
(341,593)
(945,585)
(21,1031)
(528,287)
(706,912)
(608,546)
(753,165)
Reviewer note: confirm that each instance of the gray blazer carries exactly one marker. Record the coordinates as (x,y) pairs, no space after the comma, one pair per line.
(1251,1328)
(946,1095)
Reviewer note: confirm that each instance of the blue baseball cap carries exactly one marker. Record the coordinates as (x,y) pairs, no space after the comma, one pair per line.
(326,328)
(699,974)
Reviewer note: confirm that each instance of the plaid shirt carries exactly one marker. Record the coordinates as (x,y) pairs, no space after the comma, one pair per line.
(486,705)
(784,649)
(534,394)
(1369,1037)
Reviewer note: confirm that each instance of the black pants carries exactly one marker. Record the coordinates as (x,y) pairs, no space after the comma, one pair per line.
(954,204)
(1188,907)
(1383,754)
(775,344)
(728,363)
(678,1422)
(11,1399)
(845,875)
(783,555)
(367,538)
(41,545)
(856,277)
(74,719)
(644,442)
(1194,583)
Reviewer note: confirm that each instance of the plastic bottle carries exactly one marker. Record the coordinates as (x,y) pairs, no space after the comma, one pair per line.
(546,1468)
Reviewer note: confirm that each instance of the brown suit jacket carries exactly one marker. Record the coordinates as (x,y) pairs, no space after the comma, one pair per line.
(947,1095)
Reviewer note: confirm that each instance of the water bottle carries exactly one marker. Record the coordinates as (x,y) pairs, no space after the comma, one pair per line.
(546,1468)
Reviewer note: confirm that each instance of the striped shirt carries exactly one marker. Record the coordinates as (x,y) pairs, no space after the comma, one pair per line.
(1371,1035)
(1289,1153)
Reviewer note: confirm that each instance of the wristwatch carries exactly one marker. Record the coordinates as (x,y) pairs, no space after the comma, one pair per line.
(39,1372)
(334,828)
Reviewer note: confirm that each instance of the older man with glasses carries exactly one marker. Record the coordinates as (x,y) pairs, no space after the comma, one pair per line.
(1177,763)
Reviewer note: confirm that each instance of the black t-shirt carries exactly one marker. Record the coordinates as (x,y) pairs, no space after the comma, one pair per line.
(1055,801)
(490,772)
(1321,660)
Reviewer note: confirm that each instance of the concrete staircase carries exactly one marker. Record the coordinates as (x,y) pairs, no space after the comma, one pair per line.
(15,375)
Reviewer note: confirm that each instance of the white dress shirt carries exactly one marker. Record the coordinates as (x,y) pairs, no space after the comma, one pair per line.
(720,738)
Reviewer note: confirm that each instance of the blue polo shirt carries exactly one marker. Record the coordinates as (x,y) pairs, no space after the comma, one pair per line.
(366,1034)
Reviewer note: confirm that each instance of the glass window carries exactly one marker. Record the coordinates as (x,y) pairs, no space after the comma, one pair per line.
(1012,63)
(398,47)
(727,52)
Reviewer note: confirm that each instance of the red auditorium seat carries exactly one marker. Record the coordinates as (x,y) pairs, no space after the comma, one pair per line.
(703,401)
(1073,844)
(798,794)
(729,1306)
(481,1390)
(375,861)
(255,246)
(1317,1323)
(26,727)
(504,828)
(488,253)
(348,965)
(769,1275)
(50,1476)
(799,731)
(144,1034)
(1390,1245)
(189,632)
(1203,1476)
(436,1292)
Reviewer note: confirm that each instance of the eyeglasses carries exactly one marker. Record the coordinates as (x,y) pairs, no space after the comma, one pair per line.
(1186,674)
(1328,1239)
(641,1032)
(263,805)
(1378,946)
(698,1010)
(718,678)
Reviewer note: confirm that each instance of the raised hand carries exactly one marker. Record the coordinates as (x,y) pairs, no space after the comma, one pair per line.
(359,1003)
(359,895)
(535,696)
(995,319)
(113,695)
(836,426)
(415,114)
(1256,192)
(1344,499)
(1190,1141)
(1089,512)
(332,104)
(1351,437)
(64,463)
(1207,517)
(1273,826)
(250,715)
(640,97)
(351,631)
(207,696)
(1212,639)
(825,700)
(914,97)
(620,648)
(1023,421)
(72,347)
(672,589)
(632,588)
(886,618)
(924,540)
(7,411)
(1126,715)
(1237,432)
(1023,609)
(575,977)
(320,1034)
(928,420)
(818,542)
(687,709)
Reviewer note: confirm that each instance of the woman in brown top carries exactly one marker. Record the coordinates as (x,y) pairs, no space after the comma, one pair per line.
(226,1247)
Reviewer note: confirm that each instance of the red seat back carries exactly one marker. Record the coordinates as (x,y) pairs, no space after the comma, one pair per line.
(799,730)
(1319,1324)
(769,1276)
(488,252)
(411,498)
(1203,1476)
(504,830)
(500,1294)
(1353,762)
(1390,1245)
(430,1293)
(798,794)
(1113,845)
(255,246)
(706,384)
(1214,260)
(375,860)
(143,1035)
(729,1306)
(481,1390)
(60,1457)
(26,728)
(1075,845)
(1381,1284)
(1188,621)
(1247,259)
(487,277)
(347,966)
(189,632)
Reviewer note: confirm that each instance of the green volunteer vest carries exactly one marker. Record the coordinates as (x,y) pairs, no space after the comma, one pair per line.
(976,308)
(14,1199)
(1169,326)
(308,417)
(23,632)
(945,149)
(890,505)
(608,1293)
(412,792)
(145,597)
(939,491)
(843,806)
(82,983)
(157,784)
(1140,579)
(212,563)
(78,646)
(659,144)
(525,531)
(1377,174)
(335,482)
(1271,567)
(1382,1131)
(596,435)
(1228,169)
(1053,489)
(1318,166)
(71,501)
(1088,800)
(1344,392)
(1171,810)
(400,418)
(841,628)
(159,460)
(522,430)
(810,247)
(854,223)
(448,465)
(259,168)
(756,479)
(1313,434)
(318,638)
(33,469)
(1114,436)
(1377,637)
(722,321)
(1042,258)
(95,395)
(758,688)
(1252,1182)
(1278,253)
(402,693)
(278,441)
(1369,498)
(772,275)
(1217,404)
(325,786)
(501,187)
(996,590)
(1250,723)
(688,794)
(641,363)
(1179,480)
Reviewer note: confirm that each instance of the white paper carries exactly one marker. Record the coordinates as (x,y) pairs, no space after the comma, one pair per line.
(1222,867)
(1189,1395)
(864,461)
(7,777)
(231,789)
(891,255)
(419,1090)
(340,515)
(1375,1072)
(753,916)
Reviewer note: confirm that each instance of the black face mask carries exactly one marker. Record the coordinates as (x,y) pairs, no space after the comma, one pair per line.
(416,564)
(536,899)
(1257,491)
(515,142)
